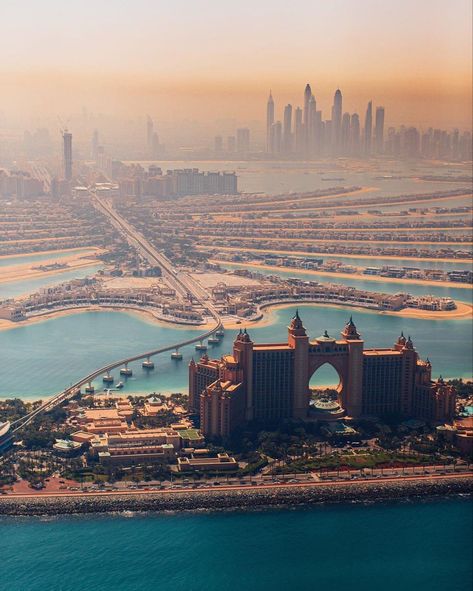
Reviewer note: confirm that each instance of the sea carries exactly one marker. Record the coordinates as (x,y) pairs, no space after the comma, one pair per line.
(415,545)
(412,546)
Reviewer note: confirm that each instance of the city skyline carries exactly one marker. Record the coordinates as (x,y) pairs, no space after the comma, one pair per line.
(416,59)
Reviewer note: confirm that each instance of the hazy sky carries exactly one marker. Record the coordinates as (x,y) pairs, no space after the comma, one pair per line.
(209,59)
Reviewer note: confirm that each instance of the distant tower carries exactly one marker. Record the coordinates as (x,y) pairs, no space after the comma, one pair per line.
(307,97)
(287,129)
(67,154)
(337,122)
(312,123)
(368,128)
(379,130)
(149,132)
(355,134)
(345,135)
(298,131)
(276,137)
(269,121)
(95,144)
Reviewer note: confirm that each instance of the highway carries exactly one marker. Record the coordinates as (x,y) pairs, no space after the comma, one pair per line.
(182,283)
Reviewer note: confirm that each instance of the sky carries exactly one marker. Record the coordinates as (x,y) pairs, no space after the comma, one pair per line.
(211,59)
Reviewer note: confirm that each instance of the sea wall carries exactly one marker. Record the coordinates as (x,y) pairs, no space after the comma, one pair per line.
(250,498)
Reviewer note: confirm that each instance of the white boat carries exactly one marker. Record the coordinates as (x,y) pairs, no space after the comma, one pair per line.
(119,385)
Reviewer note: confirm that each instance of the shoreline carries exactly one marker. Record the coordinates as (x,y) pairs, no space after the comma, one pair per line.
(54,314)
(16,275)
(335,255)
(356,276)
(51,252)
(228,498)
(462,312)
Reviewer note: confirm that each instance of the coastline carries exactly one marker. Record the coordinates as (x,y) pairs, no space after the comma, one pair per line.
(334,255)
(356,276)
(13,274)
(256,497)
(51,252)
(462,312)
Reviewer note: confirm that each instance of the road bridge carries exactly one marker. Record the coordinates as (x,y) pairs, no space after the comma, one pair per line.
(182,286)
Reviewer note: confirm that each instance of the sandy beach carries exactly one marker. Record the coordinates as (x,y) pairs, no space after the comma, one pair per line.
(32,270)
(462,312)
(334,276)
(83,250)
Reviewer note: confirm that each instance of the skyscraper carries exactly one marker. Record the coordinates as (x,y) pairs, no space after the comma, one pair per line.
(287,130)
(307,97)
(298,131)
(336,122)
(355,134)
(379,130)
(149,132)
(95,144)
(243,140)
(269,121)
(276,137)
(345,134)
(368,128)
(67,154)
(311,131)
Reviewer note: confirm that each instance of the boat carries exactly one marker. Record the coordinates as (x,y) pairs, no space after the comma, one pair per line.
(220,332)
(120,385)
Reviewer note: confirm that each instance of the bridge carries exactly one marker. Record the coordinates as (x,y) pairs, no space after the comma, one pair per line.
(182,283)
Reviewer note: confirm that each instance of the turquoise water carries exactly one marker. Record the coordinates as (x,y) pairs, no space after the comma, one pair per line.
(283,177)
(421,546)
(34,258)
(43,358)
(13,289)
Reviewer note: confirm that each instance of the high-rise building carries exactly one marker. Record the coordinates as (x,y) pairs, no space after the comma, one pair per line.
(95,144)
(287,130)
(243,140)
(67,154)
(269,121)
(312,124)
(336,122)
(149,132)
(231,143)
(345,134)
(276,138)
(270,382)
(379,130)
(298,131)
(307,97)
(368,128)
(218,143)
(355,135)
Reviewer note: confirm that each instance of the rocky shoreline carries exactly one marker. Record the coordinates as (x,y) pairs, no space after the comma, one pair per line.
(234,499)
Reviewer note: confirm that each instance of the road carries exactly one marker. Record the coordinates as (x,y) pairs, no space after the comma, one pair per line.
(312,483)
(181,282)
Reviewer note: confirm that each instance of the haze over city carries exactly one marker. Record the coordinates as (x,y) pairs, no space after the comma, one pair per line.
(205,61)
(236,295)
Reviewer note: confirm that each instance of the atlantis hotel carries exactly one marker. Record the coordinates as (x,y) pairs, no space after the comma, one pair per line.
(270,382)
